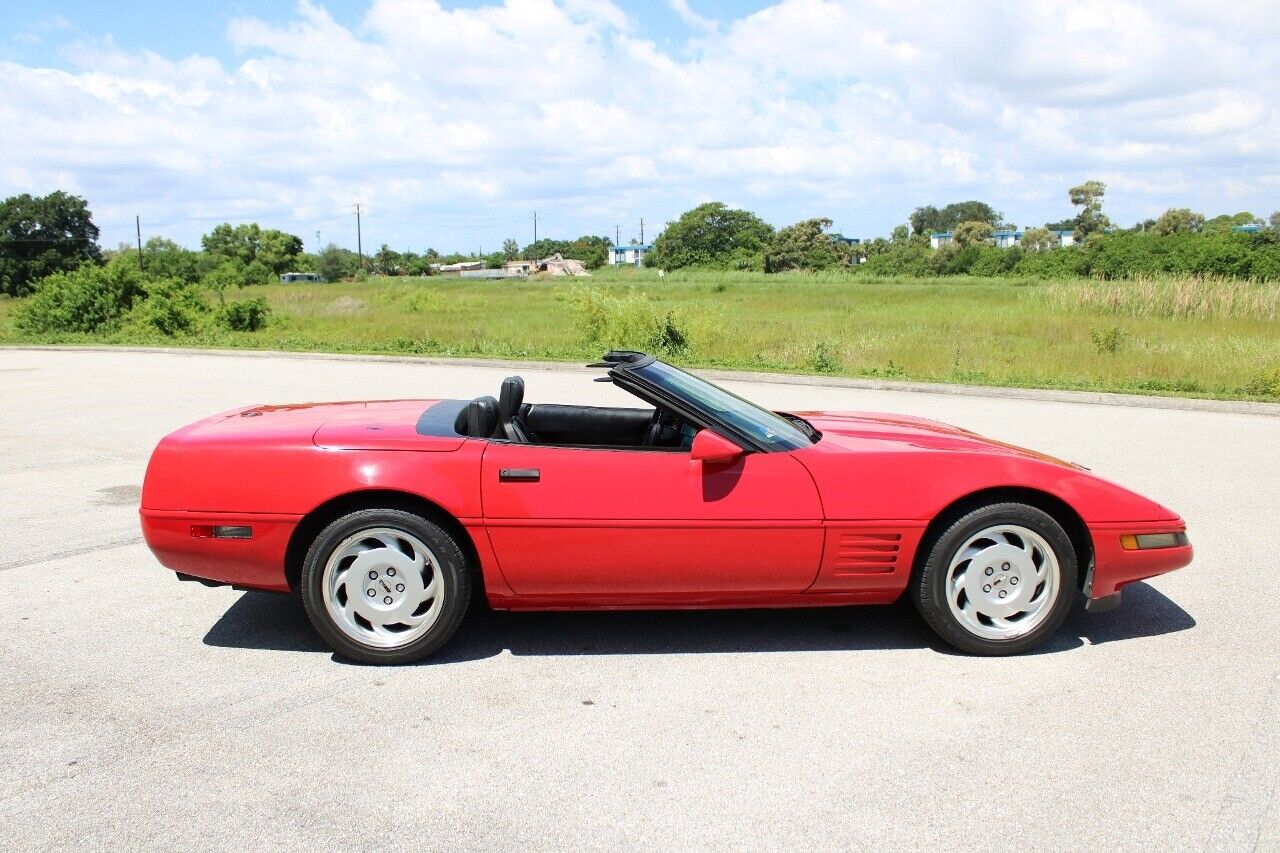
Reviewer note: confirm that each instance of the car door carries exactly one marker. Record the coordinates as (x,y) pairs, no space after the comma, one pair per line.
(631,523)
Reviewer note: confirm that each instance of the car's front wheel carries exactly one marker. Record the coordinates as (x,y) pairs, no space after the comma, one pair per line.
(385,586)
(997,581)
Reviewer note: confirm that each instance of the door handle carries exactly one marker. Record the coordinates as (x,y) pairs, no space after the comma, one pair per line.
(519,475)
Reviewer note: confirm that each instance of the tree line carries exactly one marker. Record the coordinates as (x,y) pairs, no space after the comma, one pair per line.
(40,236)
(1179,241)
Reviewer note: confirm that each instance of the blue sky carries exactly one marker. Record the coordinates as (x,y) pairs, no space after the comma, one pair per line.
(451,122)
(200,28)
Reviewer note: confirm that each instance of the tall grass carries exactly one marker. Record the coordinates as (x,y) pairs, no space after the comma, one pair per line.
(1172,336)
(1183,297)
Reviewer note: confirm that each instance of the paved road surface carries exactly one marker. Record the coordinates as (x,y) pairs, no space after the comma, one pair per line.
(137,712)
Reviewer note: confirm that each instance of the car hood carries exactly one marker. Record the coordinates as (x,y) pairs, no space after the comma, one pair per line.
(882,431)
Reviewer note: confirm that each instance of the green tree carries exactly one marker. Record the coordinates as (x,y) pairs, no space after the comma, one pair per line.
(336,263)
(928,219)
(973,233)
(544,248)
(805,246)
(510,249)
(900,233)
(163,258)
(43,235)
(1274,221)
(1224,223)
(278,250)
(388,261)
(711,235)
(1178,220)
(1039,240)
(1090,219)
(249,242)
(592,251)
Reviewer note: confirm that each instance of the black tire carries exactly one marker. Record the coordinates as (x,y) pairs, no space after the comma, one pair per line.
(928,584)
(455,575)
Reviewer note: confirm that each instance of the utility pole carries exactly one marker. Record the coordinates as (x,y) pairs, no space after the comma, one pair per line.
(535,226)
(317,242)
(137,221)
(359,237)
(642,231)
(617,234)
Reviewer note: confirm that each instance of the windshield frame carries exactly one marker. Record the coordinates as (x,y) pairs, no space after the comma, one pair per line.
(751,425)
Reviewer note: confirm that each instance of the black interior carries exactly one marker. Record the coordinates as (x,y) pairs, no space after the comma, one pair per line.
(509,418)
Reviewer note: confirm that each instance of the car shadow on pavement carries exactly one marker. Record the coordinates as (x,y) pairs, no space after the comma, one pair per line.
(273,622)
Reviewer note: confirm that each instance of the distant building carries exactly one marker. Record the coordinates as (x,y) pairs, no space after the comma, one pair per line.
(1006,238)
(518,267)
(848,241)
(489,274)
(630,256)
(291,277)
(458,267)
(1251,228)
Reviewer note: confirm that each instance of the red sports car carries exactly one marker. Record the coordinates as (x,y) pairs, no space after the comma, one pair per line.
(386,516)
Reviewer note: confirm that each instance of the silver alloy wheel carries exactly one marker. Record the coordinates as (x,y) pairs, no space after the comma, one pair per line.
(383,587)
(1002,582)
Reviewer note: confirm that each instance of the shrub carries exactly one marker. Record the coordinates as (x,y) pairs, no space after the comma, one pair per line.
(87,299)
(1264,384)
(909,259)
(824,358)
(249,315)
(626,322)
(1107,341)
(171,307)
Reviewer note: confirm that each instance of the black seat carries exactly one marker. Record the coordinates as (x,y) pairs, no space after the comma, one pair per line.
(478,418)
(510,400)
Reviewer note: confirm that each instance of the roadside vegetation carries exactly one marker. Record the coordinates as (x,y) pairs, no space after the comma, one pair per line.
(1186,337)
(1193,311)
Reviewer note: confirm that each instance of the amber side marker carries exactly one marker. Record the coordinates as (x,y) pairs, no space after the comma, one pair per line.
(1145,541)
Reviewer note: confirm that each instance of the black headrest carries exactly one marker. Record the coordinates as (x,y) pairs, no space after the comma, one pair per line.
(478,418)
(510,398)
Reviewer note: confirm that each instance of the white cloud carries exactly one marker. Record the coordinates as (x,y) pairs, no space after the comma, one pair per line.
(463,119)
(691,18)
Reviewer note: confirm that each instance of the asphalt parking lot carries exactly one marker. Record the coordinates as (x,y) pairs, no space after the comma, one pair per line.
(138,712)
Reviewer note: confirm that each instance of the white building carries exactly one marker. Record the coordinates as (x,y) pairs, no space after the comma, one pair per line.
(631,256)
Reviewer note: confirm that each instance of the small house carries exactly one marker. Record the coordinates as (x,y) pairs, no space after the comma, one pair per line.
(291,277)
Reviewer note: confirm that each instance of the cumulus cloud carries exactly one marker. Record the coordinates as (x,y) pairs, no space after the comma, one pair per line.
(452,123)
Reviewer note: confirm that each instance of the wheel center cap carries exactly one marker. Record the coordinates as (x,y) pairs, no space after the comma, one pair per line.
(383,586)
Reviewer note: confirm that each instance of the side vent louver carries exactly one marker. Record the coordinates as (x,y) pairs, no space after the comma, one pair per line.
(867,553)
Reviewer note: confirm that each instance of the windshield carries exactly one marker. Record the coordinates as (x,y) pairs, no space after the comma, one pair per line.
(770,430)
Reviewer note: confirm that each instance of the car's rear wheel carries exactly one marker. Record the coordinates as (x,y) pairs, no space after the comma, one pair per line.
(999,580)
(385,586)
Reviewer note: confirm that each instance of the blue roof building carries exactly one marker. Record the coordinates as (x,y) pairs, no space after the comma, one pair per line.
(631,256)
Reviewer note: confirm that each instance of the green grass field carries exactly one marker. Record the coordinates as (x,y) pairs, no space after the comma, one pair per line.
(1188,338)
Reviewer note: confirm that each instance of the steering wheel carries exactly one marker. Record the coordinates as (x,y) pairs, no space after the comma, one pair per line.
(654,430)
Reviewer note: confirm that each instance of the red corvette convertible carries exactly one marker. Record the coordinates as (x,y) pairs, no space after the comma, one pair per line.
(385,516)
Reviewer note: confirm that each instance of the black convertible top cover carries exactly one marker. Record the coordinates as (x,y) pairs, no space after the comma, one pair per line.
(438,419)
